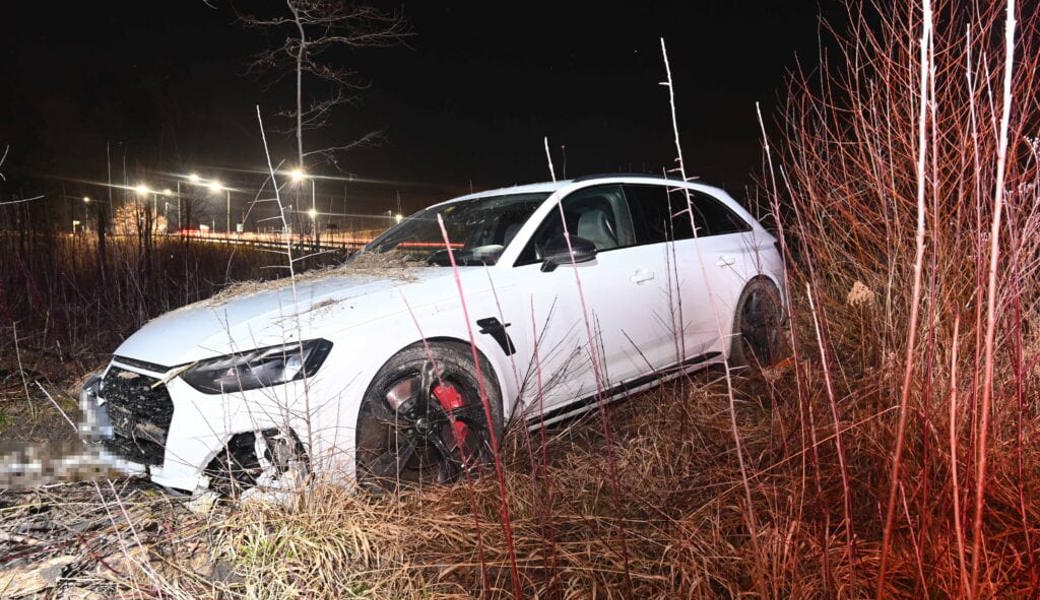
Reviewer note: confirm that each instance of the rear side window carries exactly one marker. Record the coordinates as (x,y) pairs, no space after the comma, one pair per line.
(659,214)
(718,219)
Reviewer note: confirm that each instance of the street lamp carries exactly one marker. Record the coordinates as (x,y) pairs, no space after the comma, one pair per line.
(298,175)
(180,200)
(215,187)
(166,193)
(143,190)
(86,214)
(197,181)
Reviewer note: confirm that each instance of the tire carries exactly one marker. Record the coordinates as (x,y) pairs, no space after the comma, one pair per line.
(405,434)
(758,339)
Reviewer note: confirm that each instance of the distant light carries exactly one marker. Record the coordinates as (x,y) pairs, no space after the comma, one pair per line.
(167,192)
(215,186)
(194,178)
(142,189)
(398,217)
(313,213)
(86,199)
(297,175)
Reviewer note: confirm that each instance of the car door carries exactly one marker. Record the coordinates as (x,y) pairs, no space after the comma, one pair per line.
(727,248)
(625,300)
(707,267)
(661,222)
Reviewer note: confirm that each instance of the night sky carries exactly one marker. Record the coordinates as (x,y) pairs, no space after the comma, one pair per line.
(465,102)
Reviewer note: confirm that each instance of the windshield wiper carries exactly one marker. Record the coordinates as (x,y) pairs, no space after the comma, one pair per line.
(480,256)
(463,258)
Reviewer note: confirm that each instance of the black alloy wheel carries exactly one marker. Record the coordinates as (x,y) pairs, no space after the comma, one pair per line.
(423,421)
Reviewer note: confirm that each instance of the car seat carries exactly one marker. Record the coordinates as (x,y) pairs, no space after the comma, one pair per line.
(510,233)
(597,226)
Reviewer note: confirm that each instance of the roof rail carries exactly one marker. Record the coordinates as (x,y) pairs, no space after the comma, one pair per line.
(641,175)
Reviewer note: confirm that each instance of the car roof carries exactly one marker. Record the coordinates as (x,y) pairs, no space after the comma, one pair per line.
(552,186)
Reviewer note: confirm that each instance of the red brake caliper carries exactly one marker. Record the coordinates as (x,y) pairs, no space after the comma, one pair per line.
(450,399)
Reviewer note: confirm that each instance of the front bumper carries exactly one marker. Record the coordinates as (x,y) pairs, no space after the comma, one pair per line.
(125,415)
(129,418)
(96,427)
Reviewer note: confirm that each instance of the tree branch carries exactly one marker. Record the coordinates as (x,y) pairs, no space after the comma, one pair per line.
(313,29)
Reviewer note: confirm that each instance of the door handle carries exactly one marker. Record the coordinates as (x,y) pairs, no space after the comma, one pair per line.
(725,261)
(642,275)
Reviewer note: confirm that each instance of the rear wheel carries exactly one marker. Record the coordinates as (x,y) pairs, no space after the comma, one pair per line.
(757,326)
(422,419)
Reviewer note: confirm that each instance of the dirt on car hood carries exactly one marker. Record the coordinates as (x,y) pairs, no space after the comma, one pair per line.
(256,314)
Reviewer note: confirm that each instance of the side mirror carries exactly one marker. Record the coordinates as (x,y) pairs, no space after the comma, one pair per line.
(558,253)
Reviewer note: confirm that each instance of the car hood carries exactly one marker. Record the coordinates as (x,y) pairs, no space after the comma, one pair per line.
(243,318)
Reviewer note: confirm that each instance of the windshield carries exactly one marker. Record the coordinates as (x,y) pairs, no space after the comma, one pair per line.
(479,230)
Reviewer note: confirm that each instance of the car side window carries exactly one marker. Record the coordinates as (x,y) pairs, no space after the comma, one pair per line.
(718,219)
(659,214)
(599,214)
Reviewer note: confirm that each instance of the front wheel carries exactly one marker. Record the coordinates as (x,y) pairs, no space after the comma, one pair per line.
(422,419)
(757,326)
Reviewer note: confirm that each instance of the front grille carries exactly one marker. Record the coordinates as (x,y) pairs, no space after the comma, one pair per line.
(140,410)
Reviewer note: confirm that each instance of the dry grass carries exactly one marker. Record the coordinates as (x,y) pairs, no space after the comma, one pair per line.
(684,530)
(63,304)
(683,516)
(680,491)
(370,265)
(871,154)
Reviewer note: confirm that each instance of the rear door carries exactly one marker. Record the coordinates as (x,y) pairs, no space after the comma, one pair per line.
(707,267)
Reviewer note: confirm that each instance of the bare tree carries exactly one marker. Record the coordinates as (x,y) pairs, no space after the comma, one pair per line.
(315,31)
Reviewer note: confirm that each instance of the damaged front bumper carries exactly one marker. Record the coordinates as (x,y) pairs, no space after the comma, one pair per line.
(95,427)
(129,429)
(143,421)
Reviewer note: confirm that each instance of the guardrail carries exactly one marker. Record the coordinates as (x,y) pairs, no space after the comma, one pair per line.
(274,241)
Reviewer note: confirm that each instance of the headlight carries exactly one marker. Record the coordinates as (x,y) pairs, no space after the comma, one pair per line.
(257,368)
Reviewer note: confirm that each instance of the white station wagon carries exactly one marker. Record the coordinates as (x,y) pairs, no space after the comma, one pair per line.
(408,373)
